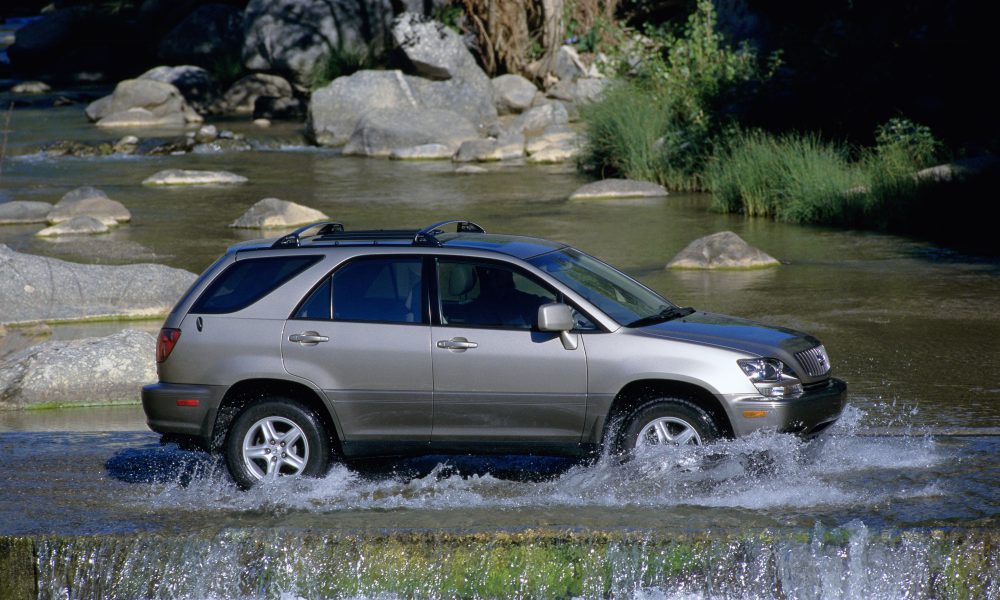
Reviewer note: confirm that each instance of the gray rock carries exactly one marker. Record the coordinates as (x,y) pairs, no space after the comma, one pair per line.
(209,32)
(555,153)
(222,145)
(272,212)
(540,117)
(198,86)
(31,87)
(569,67)
(126,145)
(294,37)
(434,51)
(98,109)
(38,288)
(241,96)
(723,250)
(107,370)
(206,133)
(513,94)
(489,150)
(191,177)
(471,97)
(144,102)
(335,109)
(471,170)
(423,152)
(83,225)
(579,91)
(24,211)
(269,107)
(551,136)
(959,170)
(618,188)
(91,202)
(383,130)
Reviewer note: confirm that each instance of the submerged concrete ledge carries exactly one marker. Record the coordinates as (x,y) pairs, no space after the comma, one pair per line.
(852,561)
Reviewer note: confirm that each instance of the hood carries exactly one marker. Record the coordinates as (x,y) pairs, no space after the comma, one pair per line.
(736,334)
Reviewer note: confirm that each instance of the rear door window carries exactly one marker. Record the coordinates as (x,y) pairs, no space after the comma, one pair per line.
(247,281)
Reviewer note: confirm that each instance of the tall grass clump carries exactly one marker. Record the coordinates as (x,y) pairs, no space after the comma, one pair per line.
(671,103)
(792,178)
(344,60)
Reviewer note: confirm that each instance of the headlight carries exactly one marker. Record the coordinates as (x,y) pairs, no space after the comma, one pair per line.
(771,377)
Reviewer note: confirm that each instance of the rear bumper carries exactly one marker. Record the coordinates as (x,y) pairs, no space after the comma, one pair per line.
(807,415)
(179,409)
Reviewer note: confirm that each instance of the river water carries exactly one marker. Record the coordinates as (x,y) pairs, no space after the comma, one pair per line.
(910,326)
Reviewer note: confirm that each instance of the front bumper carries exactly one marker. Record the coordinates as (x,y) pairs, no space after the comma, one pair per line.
(807,415)
(179,409)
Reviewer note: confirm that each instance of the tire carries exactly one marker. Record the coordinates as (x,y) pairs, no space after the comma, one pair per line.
(667,420)
(274,438)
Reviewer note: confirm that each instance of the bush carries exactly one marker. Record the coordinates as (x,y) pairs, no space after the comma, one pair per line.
(343,61)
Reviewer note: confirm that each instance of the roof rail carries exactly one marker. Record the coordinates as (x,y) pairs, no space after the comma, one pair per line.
(293,239)
(428,235)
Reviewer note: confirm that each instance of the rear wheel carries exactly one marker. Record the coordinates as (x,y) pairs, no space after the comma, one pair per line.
(274,438)
(667,421)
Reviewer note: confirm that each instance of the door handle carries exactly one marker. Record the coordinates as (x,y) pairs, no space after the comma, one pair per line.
(458,344)
(308,338)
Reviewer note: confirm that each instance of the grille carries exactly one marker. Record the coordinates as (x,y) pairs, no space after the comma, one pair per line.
(814,361)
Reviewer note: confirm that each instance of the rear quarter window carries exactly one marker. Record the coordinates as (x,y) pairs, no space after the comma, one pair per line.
(247,281)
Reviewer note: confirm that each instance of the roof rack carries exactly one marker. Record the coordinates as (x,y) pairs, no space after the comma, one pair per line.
(294,239)
(329,231)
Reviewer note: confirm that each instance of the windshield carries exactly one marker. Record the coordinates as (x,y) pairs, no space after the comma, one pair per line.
(618,295)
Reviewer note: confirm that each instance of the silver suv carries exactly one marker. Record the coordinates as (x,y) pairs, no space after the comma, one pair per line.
(328,342)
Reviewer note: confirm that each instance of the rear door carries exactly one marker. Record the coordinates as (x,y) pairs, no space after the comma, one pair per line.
(363,337)
(496,378)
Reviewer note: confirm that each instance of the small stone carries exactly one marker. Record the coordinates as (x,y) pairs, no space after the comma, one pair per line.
(723,250)
(262,122)
(513,93)
(205,134)
(471,170)
(190,177)
(82,225)
(272,212)
(618,188)
(31,87)
(423,152)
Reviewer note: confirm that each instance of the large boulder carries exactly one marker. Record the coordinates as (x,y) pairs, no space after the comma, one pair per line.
(105,370)
(723,250)
(241,97)
(210,33)
(272,212)
(471,97)
(91,202)
(334,110)
(295,37)
(540,118)
(383,130)
(24,211)
(143,102)
(513,93)
(490,149)
(198,86)
(37,288)
(609,189)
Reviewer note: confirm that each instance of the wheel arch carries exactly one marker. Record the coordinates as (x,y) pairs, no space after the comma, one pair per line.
(245,392)
(637,392)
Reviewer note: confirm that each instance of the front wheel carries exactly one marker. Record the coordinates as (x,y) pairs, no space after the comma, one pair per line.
(274,438)
(667,421)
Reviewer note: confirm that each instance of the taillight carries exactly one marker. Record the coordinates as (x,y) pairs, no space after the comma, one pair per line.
(165,344)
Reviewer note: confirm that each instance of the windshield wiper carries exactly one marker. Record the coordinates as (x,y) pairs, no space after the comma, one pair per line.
(667,314)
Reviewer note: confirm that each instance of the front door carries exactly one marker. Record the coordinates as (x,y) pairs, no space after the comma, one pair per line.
(362,336)
(496,379)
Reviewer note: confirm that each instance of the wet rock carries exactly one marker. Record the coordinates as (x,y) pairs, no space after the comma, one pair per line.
(83,225)
(272,212)
(382,131)
(192,177)
(74,148)
(513,93)
(539,118)
(336,109)
(38,288)
(262,122)
(423,152)
(211,32)
(618,188)
(555,153)
(488,150)
(553,135)
(198,86)
(269,107)
(126,145)
(143,102)
(222,145)
(24,211)
(471,170)
(723,250)
(31,87)
(91,202)
(294,37)
(205,134)
(241,96)
(99,108)
(107,370)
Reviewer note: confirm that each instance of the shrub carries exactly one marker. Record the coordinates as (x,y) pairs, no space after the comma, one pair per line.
(341,61)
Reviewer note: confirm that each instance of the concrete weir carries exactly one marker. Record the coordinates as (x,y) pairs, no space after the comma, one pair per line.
(846,562)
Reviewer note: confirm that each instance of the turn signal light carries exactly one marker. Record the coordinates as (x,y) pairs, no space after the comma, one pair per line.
(166,342)
(754,414)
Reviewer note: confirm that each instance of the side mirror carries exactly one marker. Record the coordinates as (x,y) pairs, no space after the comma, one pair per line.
(559,317)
